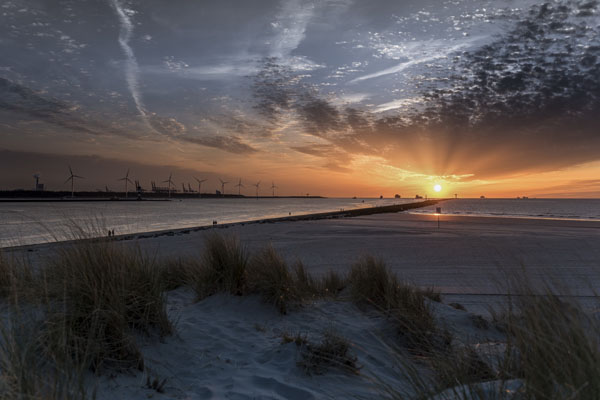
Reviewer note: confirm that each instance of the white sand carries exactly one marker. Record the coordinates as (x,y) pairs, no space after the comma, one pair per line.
(230,347)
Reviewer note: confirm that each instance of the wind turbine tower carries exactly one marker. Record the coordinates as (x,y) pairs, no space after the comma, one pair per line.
(223,183)
(127,182)
(38,186)
(239,186)
(273,187)
(72,178)
(257,186)
(170,182)
(200,185)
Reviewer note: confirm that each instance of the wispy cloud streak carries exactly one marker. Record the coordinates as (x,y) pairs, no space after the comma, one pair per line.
(131,65)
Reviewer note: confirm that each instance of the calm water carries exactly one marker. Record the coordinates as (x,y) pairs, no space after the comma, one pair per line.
(579,209)
(29,223)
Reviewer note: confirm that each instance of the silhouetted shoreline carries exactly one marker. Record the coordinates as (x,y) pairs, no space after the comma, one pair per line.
(57,196)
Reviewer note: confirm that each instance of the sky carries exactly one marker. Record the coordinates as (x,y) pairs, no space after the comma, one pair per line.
(331,97)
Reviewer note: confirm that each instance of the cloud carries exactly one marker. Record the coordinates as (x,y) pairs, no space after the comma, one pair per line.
(525,102)
(166,126)
(19,100)
(434,53)
(290,26)
(131,65)
(231,144)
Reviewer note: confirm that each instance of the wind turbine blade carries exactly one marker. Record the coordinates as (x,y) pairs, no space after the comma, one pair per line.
(70,170)
(68,179)
(77,176)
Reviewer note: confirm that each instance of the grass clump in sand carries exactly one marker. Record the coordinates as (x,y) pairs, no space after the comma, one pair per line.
(372,283)
(551,351)
(270,277)
(222,267)
(557,344)
(16,277)
(227,267)
(333,351)
(97,293)
(27,369)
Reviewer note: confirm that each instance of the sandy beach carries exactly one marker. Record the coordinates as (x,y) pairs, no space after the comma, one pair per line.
(231,347)
(465,256)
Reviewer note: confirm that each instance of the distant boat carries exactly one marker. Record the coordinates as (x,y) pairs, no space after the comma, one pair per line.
(482,197)
(354,197)
(381,197)
(397,196)
(418,197)
(525,197)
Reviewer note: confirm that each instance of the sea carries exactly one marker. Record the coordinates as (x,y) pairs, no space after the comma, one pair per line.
(570,209)
(25,223)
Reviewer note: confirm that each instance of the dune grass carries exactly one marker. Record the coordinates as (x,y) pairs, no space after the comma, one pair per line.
(558,346)
(226,266)
(98,293)
(372,283)
(551,351)
(333,351)
(28,368)
(269,276)
(221,268)
(16,277)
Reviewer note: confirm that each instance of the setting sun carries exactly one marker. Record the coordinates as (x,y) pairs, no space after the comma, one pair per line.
(437,188)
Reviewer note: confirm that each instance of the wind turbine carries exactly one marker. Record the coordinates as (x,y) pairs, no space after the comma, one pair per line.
(257,186)
(273,187)
(170,182)
(223,186)
(71,178)
(36,176)
(239,186)
(200,185)
(127,181)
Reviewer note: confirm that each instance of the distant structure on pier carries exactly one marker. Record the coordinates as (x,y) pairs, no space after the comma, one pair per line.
(397,196)
(418,197)
(38,186)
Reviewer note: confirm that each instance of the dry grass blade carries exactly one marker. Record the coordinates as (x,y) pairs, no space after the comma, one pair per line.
(16,278)
(558,346)
(222,267)
(332,352)
(372,283)
(97,292)
(269,276)
(25,372)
